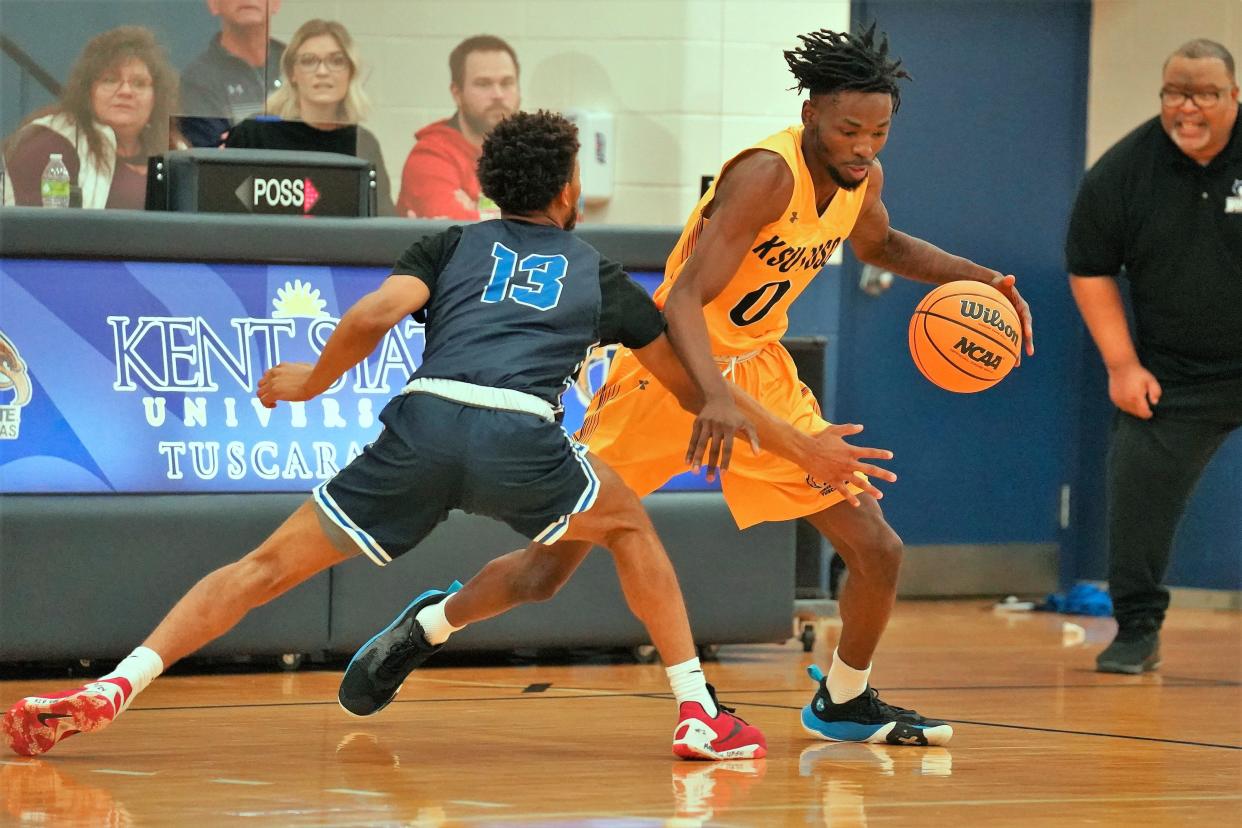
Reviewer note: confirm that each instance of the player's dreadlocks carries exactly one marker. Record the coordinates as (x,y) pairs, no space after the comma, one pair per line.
(828,62)
(527,159)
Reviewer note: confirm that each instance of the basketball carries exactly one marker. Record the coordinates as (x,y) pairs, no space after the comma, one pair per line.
(965,336)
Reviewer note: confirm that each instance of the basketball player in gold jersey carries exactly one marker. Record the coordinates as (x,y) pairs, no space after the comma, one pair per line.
(755,240)
(753,243)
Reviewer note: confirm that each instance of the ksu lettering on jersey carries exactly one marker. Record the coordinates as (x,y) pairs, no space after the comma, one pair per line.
(752,310)
(784,256)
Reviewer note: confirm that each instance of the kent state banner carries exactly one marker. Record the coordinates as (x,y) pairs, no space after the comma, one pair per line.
(140,377)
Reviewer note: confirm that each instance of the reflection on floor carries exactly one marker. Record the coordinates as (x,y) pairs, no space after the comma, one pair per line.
(1040,739)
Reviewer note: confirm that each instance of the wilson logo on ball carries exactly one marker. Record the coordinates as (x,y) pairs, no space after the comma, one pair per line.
(989,316)
(964,336)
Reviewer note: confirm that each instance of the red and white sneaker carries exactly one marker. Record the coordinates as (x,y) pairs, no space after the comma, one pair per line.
(36,723)
(699,736)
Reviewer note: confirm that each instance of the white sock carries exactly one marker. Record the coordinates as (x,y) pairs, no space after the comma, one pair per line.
(689,685)
(139,668)
(844,682)
(436,628)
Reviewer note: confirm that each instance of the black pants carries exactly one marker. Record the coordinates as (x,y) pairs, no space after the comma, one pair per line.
(1153,466)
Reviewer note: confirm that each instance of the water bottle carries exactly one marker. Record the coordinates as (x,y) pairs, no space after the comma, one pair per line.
(54,186)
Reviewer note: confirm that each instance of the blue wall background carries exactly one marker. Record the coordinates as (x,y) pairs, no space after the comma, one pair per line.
(984,160)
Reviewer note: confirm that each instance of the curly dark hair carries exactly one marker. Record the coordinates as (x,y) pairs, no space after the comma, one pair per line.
(527,159)
(829,62)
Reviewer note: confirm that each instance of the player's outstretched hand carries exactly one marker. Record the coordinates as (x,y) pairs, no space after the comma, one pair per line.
(833,461)
(285,382)
(711,441)
(1008,286)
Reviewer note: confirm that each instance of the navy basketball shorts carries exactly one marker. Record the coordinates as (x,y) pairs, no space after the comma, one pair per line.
(434,455)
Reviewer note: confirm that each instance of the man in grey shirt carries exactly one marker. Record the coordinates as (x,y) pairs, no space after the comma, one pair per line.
(233,76)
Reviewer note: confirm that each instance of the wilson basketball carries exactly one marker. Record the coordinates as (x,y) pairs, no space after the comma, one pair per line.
(965,336)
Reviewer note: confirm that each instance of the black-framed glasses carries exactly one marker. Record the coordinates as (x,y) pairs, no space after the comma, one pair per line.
(1204,99)
(336,62)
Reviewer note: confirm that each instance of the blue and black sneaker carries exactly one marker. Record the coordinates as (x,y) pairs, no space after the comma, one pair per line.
(376,672)
(865,718)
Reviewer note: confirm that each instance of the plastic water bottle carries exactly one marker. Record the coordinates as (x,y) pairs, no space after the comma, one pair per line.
(54,186)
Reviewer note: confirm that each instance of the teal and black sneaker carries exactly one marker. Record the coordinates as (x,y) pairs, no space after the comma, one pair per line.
(375,673)
(865,718)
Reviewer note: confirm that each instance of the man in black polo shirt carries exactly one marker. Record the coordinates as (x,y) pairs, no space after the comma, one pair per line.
(1165,205)
(231,79)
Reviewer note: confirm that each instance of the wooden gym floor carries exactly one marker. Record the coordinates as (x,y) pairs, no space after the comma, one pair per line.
(1040,740)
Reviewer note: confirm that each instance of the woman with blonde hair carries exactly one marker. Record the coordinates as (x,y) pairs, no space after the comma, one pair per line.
(319,104)
(113,114)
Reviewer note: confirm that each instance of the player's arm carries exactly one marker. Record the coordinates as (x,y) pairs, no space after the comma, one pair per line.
(826,455)
(360,330)
(875,242)
(1131,387)
(753,192)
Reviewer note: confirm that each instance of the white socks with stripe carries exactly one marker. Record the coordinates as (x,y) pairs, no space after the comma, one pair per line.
(689,685)
(844,682)
(436,627)
(139,668)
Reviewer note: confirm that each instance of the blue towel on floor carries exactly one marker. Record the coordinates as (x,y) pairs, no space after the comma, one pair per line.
(1083,599)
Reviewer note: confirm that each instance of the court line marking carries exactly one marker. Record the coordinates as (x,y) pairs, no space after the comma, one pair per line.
(583,693)
(505,686)
(239,782)
(124,772)
(1106,735)
(879,805)
(354,792)
(1052,730)
(1223,746)
(478,804)
(598,694)
(1176,684)
(665,696)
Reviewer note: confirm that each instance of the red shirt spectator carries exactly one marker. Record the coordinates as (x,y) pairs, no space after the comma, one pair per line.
(439,178)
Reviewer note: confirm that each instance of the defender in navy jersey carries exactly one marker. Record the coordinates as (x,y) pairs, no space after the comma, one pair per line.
(512,306)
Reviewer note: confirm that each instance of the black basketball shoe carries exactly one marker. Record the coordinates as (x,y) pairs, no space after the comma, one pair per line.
(1135,650)
(376,672)
(865,718)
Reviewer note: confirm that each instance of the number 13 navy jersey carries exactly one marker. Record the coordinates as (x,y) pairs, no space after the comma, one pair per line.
(518,305)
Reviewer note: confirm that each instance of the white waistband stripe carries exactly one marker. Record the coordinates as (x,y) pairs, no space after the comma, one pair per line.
(480,396)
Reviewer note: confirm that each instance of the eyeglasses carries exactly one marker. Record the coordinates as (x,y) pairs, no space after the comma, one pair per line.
(1205,99)
(337,62)
(111,83)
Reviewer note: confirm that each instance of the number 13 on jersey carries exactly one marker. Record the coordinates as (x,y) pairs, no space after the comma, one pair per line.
(543,275)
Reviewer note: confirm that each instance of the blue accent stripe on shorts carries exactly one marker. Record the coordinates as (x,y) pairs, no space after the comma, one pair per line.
(557,528)
(337,515)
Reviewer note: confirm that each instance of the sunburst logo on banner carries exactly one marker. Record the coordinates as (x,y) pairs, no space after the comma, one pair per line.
(298,300)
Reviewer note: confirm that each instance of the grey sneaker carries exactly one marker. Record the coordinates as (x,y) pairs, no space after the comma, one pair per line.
(1133,651)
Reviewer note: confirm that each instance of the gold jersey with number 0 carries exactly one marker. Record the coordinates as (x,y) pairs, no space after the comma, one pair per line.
(753,308)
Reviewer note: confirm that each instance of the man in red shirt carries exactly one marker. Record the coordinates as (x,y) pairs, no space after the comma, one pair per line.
(439,179)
